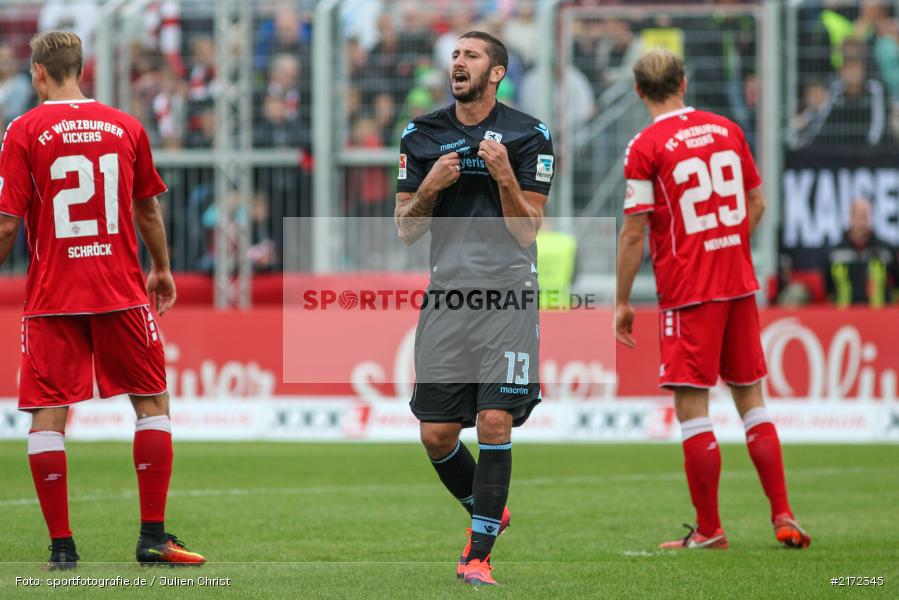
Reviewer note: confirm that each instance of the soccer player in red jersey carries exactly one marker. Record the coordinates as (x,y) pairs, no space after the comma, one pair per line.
(692,180)
(80,174)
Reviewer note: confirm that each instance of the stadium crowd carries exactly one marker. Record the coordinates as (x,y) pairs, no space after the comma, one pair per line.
(395,55)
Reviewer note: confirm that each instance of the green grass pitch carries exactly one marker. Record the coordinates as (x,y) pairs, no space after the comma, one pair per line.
(286,520)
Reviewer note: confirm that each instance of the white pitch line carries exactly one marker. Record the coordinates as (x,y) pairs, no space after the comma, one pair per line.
(392,488)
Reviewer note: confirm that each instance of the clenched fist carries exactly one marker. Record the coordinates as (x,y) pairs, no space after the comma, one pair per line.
(497,159)
(444,173)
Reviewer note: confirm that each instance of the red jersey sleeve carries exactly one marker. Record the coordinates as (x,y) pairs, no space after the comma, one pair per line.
(16,187)
(147,182)
(639,174)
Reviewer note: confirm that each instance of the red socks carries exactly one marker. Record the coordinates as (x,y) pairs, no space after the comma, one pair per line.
(153,464)
(702,461)
(764,449)
(152,461)
(47,457)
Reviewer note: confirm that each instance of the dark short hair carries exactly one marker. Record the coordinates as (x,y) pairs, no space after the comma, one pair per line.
(659,74)
(496,50)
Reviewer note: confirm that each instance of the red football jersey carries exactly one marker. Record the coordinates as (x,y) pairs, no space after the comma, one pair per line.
(691,170)
(70,169)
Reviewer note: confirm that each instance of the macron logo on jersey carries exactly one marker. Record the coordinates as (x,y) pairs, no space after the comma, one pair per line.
(409,129)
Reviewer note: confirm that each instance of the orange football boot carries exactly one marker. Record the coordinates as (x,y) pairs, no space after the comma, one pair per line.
(170,552)
(789,533)
(477,572)
(463,558)
(694,540)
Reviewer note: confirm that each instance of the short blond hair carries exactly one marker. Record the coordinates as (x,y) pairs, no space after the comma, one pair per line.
(659,74)
(59,52)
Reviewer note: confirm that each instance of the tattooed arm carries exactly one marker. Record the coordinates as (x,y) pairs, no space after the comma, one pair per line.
(413,211)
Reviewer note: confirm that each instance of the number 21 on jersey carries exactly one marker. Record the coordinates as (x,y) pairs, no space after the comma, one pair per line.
(78,163)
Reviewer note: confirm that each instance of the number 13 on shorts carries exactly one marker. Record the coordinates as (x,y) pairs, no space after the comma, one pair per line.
(519,365)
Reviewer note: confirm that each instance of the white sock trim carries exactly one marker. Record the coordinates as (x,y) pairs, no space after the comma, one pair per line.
(160,423)
(45,441)
(694,427)
(756,416)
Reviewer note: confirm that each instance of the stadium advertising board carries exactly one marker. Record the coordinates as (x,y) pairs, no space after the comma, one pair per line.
(818,188)
(833,375)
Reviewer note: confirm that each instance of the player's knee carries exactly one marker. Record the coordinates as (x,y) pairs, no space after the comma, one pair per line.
(691,403)
(494,426)
(50,419)
(747,397)
(438,442)
(151,406)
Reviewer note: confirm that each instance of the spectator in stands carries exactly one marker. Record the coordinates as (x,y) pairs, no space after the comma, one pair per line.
(391,66)
(586,35)
(520,31)
(359,20)
(286,31)
(574,97)
(169,107)
(855,113)
(77,16)
(280,126)
(284,83)
(751,105)
(146,83)
(508,89)
(461,18)
(201,89)
(163,33)
(15,87)
(427,95)
(617,51)
(814,100)
(384,111)
(861,269)
(201,128)
(418,29)
(368,189)
(202,73)
(262,253)
(785,289)
(886,55)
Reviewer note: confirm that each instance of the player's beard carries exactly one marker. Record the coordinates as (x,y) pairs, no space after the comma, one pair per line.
(475,90)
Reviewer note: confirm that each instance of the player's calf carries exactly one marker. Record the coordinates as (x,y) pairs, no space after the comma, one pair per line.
(49,470)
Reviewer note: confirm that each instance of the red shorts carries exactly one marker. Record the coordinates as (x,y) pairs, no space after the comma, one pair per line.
(701,342)
(60,355)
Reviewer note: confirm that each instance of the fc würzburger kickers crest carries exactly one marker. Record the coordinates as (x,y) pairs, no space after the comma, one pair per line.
(401,174)
(493,135)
